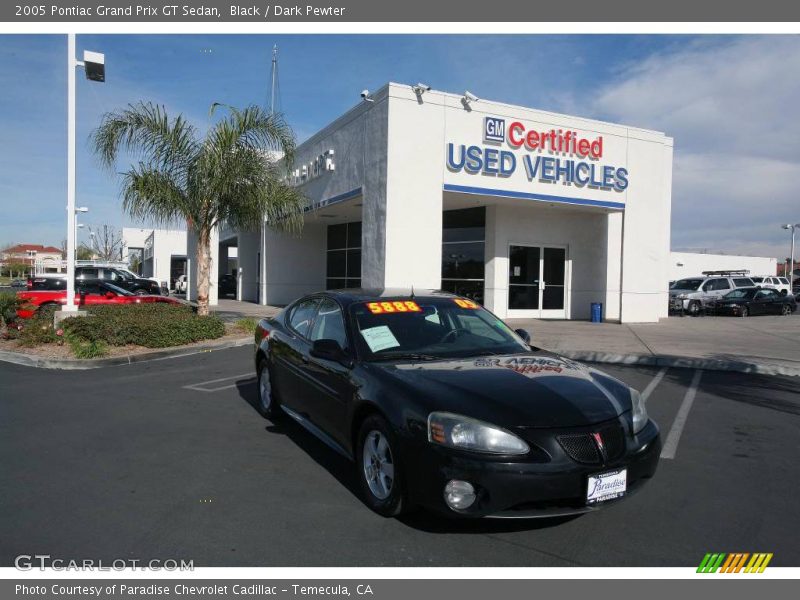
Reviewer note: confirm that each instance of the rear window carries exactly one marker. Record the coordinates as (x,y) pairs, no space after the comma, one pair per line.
(783,280)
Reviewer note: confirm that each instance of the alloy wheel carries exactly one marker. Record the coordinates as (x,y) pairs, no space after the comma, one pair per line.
(264,389)
(378,464)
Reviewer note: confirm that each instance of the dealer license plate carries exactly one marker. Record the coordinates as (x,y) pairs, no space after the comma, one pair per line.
(606,486)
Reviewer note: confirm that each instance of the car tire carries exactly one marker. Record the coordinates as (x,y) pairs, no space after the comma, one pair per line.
(140,292)
(268,404)
(694,308)
(744,312)
(786,310)
(377,468)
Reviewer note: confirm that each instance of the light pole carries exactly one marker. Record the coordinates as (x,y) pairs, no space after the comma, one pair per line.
(80,209)
(791,256)
(94,67)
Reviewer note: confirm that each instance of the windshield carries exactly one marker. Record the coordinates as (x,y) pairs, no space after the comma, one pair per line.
(687,284)
(742,294)
(430,328)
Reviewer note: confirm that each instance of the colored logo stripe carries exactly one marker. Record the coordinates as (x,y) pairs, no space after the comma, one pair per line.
(734,562)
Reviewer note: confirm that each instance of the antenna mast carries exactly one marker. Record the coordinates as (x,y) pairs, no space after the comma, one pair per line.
(274,78)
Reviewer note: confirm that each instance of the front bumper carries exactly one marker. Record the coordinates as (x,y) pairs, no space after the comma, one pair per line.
(548,486)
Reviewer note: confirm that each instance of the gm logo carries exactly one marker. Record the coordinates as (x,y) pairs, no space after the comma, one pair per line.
(494,129)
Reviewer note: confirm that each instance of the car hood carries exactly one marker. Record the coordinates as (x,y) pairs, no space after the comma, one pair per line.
(536,389)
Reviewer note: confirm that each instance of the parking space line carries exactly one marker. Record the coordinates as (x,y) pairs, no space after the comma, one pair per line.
(203,386)
(654,383)
(671,445)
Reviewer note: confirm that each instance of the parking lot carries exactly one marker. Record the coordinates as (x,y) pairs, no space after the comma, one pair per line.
(169,459)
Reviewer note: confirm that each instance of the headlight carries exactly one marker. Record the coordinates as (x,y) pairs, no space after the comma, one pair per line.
(464,433)
(639,411)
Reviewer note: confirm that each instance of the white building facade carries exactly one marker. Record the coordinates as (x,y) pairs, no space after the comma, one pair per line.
(693,264)
(533,214)
(160,253)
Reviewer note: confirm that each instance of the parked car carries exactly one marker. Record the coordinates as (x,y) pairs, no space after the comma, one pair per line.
(88,293)
(694,294)
(121,278)
(226,286)
(47,281)
(755,301)
(781,284)
(439,403)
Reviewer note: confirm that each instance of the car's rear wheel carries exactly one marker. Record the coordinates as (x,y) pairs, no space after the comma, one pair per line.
(694,308)
(140,292)
(744,312)
(786,310)
(378,468)
(268,404)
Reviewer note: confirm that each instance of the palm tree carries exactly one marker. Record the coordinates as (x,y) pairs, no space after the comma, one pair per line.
(230,175)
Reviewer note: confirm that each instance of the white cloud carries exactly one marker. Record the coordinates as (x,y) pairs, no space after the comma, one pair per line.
(731,108)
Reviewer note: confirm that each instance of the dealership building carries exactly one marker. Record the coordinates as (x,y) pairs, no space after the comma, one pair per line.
(532,213)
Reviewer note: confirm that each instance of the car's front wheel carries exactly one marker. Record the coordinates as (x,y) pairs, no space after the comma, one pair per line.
(140,292)
(268,404)
(744,312)
(786,310)
(694,308)
(378,468)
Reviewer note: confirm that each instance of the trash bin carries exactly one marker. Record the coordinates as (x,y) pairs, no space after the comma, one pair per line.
(597,312)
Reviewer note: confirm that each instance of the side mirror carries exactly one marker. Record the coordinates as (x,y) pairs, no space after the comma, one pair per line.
(327,350)
(526,337)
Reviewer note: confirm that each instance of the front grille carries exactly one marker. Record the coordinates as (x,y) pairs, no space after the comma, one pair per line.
(582,448)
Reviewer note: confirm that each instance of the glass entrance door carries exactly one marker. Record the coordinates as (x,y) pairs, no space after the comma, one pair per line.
(537,281)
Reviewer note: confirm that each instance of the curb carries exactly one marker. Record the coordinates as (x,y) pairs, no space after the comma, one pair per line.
(684,362)
(75,364)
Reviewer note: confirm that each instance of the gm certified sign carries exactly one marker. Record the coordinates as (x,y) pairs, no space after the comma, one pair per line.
(494,129)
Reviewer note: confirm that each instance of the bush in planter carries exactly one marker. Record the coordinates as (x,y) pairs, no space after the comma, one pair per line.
(149,325)
(9,303)
(38,330)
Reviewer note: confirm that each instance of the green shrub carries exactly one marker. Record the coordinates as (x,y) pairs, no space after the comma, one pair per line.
(38,330)
(247,325)
(149,325)
(9,303)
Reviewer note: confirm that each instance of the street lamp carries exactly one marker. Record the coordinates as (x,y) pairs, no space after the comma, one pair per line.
(791,256)
(95,70)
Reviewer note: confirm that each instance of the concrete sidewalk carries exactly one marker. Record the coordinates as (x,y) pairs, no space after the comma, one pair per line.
(231,310)
(768,345)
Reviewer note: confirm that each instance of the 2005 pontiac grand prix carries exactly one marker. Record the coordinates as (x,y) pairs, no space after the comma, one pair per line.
(441,405)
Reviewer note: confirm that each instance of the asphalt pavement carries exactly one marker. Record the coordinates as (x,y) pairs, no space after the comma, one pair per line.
(169,459)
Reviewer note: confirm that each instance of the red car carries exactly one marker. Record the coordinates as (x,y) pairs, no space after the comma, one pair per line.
(87,293)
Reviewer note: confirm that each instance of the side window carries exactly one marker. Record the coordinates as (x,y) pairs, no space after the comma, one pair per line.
(88,273)
(302,315)
(722,284)
(708,285)
(329,323)
(784,281)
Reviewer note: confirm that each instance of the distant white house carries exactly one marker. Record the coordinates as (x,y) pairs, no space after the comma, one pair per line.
(691,264)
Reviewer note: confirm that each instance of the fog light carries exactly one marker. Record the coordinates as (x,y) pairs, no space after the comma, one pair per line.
(459,494)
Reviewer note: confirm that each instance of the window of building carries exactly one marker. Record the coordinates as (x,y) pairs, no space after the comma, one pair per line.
(463,247)
(344,256)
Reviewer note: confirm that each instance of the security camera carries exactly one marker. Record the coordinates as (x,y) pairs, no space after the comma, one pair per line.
(470,97)
(420,88)
(365,96)
(94,64)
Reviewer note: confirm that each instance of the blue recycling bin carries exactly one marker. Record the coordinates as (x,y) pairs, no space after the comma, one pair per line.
(597,312)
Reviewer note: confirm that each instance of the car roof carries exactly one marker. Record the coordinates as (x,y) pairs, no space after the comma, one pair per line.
(351,295)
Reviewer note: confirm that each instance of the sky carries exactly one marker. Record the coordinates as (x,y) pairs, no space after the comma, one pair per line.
(729,102)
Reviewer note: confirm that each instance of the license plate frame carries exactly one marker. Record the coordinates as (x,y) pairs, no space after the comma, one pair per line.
(606,486)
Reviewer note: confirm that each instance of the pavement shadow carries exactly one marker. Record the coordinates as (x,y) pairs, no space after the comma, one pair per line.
(781,393)
(430,522)
(333,462)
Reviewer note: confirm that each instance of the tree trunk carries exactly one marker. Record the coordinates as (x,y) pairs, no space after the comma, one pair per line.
(203,270)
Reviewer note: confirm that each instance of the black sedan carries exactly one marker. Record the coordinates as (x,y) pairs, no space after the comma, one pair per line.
(753,301)
(439,404)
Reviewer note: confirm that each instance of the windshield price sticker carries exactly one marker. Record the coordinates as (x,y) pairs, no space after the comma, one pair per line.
(377,308)
(463,303)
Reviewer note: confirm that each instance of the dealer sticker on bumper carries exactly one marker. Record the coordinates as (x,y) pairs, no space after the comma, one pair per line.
(606,486)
